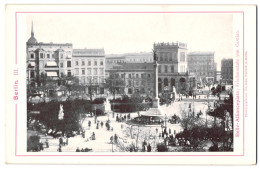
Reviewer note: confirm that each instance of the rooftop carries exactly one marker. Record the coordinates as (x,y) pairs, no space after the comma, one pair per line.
(88,52)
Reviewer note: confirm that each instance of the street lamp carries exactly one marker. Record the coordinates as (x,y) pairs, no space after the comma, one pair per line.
(95,114)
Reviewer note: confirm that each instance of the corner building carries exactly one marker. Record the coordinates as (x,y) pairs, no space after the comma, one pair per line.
(172,69)
(47,61)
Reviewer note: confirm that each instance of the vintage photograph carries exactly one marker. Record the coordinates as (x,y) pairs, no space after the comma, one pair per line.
(129,82)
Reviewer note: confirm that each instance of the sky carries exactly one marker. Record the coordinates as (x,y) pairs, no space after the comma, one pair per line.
(125,33)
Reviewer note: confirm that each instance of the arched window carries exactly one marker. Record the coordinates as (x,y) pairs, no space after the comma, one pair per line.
(172,82)
(165,81)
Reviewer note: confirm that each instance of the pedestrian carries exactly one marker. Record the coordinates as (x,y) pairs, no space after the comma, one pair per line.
(59,149)
(77,150)
(89,124)
(149,148)
(170,131)
(122,126)
(116,138)
(93,136)
(47,143)
(117,119)
(101,124)
(156,130)
(67,141)
(82,150)
(61,141)
(97,126)
(111,139)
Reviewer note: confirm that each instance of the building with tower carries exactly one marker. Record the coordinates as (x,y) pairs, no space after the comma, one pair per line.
(47,62)
(173,68)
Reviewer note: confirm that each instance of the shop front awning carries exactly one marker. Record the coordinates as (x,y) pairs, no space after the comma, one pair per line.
(51,64)
(52,74)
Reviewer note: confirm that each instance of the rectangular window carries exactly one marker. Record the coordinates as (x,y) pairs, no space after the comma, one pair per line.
(95,63)
(129,75)
(89,63)
(32,56)
(76,63)
(69,73)
(76,71)
(101,71)
(68,63)
(61,64)
(149,76)
(48,56)
(166,68)
(52,55)
(101,63)
(172,68)
(122,76)
(83,71)
(41,55)
(61,55)
(137,75)
(95,71)
(61,74)
(32,74)
(159,69)
(129,91)
(142,75)
(89,71)
(182,56)
(83,63)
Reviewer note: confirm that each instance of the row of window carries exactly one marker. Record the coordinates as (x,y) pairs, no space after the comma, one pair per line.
(137,90)
(89,71)
(172,57)
(95,63)
(165,69)
(132,76)
(49,55)
(131,83)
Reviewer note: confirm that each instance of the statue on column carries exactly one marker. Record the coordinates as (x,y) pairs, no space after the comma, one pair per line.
(155,57)
(61,114)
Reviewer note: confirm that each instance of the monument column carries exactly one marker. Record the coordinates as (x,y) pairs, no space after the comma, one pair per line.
(155,99)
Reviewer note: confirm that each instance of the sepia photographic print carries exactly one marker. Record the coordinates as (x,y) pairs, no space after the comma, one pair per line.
(122,81)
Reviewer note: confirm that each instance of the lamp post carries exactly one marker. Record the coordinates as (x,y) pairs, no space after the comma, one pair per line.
(95,114)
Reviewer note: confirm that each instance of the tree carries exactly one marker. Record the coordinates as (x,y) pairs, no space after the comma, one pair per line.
(114,84)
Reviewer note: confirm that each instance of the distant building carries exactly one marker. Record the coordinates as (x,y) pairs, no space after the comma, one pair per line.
(138,78)
(203,65)
(89,68)
(47,61)
(173,67)
(227,71)
(142,57)
(218,76)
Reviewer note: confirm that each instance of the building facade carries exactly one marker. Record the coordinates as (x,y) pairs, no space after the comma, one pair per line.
(142,57)
(89,68)
(173,68)
(227,71)
(47,61)
(203,65)
(137,78)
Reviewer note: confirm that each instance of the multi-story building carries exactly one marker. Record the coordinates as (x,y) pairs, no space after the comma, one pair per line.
(142,57)
(203,65)
(173,68)
(227,71)
(138,78)
(89,68)
(47,61)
